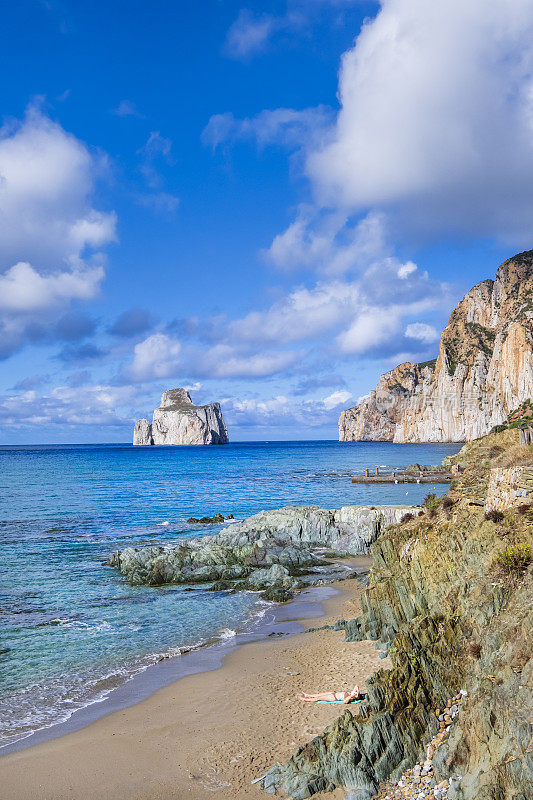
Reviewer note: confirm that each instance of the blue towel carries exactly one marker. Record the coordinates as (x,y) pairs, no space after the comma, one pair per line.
(340,702)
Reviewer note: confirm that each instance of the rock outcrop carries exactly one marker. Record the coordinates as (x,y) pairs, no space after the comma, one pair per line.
(272,548)
(483,370)
(449,601)
(179,421)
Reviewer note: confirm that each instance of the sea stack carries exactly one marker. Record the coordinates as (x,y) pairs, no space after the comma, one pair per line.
(178,421)
(483,371)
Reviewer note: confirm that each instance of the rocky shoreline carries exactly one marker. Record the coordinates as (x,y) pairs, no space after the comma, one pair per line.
(449,602)
(283,550)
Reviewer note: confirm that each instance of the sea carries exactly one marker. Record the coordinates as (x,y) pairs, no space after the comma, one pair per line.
(71,629)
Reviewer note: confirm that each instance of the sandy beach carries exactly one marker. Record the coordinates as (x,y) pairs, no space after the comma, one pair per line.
(207,734)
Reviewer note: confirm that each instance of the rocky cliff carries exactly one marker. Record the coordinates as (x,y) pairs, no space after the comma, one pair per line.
(179,421)
(483,370)
(449,601)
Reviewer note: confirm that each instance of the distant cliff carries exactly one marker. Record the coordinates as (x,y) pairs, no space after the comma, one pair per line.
(178,421)
(484,369)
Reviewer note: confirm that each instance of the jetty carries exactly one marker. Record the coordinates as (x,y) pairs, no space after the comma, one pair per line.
(408,475)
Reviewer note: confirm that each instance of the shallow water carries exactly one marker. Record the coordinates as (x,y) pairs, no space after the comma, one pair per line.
(71,628)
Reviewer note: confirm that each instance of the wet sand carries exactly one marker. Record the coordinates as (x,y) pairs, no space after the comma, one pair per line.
(208,734)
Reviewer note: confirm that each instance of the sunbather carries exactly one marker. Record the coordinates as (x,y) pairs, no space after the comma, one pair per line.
(333,697)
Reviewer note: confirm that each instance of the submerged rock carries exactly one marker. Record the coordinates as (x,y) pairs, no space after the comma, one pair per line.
(178,421)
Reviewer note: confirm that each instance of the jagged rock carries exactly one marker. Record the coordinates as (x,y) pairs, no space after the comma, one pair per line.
(483,371)
(142,433)
(434,590)
(178,421)
(285,538)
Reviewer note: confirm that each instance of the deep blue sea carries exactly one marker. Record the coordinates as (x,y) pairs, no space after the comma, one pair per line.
(70,628)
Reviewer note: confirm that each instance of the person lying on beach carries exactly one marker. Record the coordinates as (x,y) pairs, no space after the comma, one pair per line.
(332,697)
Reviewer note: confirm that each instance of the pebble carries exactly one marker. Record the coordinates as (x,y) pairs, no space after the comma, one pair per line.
(418,783)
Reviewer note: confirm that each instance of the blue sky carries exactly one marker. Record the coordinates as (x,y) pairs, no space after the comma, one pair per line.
(270,203)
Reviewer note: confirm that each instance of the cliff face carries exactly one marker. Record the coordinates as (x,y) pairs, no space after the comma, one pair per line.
(178,421)
(483,370)
(450,604)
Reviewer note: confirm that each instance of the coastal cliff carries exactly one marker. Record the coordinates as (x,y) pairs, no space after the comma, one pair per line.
(449,601)
(483,370)
(178,421)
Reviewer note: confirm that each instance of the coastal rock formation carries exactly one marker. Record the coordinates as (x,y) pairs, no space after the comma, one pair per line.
(483,370)
(179,421)
(272,548)
(449,601)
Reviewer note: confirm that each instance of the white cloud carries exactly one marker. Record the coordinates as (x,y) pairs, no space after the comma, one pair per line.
(23,289)
(155,357)
(67,406)
(328,244)
(126,109)
(249,34)
(289,127)
(337,399)
(302,314)
(46,181)
(50,233)
(423,332)
(407,269)
(436,118)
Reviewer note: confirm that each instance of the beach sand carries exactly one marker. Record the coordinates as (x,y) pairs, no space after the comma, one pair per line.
(206,735)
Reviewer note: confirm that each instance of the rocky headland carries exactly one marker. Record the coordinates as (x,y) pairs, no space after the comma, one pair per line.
(284,550)
(178,421)
(449,602)
(483,370)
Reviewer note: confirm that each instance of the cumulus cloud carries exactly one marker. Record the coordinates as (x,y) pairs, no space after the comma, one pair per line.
(23,289)
(47,178)
(328,243)
(155,357)
(50,233)
(435,124)
(67,406)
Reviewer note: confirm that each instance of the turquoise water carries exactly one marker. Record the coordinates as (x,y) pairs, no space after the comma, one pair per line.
(71,629)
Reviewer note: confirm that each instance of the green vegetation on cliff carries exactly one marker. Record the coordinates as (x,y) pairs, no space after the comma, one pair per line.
(449,600)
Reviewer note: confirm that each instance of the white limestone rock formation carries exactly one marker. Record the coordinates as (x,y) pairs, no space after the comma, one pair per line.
(178,421)
(142,433)
(483,371)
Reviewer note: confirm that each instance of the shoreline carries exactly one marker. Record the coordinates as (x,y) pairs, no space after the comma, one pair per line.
(228,722)
(278,619)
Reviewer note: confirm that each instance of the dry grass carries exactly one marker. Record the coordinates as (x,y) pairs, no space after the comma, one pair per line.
(519,455)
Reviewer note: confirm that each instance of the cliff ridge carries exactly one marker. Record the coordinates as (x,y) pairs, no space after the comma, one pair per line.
(483,370)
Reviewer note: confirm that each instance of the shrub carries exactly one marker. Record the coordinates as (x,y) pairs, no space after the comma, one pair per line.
(494,515)
(447,501)
(407,517)
(524,508)
(515,558)
(431,502)
(474,648)
(420,513)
